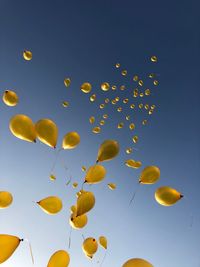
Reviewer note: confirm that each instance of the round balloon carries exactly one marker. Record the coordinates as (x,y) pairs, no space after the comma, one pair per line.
(108,150)
(60,258)
(10,98)
(71,140)
(167,196)
(6,199)
(137,263)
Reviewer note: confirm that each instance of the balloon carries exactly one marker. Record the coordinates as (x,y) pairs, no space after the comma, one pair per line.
(133,164)
(147,92)
(75,185)
(117,65)
(102,106)
(114,87)
(60,258)
(92,119)
(155,82)
(8,245)
(50,205)
(141,94)
(90,246)
(52,177)
(105,116)
(135,78)
(78,222)
(95,174)
(135,139)
(102,122)
(120,125)
(122,87)
(149,175)
(103,241)
(83,168)
(96,129)
(85,202)
(132,126)
(144,122)
(67,82)
(6,199)
(108,150)
(132,106)
(154,59)
(125,101)
(129,150)
(140,105)
(105,86)
(93,98)
(141,82)
(23,128)
(124,72)
(47,132)
(153,107)
(167,196)
(112,186)
(70,140)
(27,55)
(10,98)
(119,109)
(65,104)
(137,263)
(86,88)
(128,118)
(73,209)
(117,98)
(113,101)
(107,100)
(150,111)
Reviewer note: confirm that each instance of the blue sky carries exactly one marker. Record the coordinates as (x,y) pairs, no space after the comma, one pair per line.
(83,40)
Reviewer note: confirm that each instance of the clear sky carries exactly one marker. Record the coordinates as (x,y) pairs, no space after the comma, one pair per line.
(83,40)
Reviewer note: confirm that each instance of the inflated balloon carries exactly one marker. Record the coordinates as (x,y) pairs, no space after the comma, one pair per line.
(153,107)
(102,122)
(120,125)
(27,55)
(117,98)
(105,86)
(151,75)
(125,101)
(78,222)
(155,82)
(146,106)
(141,82)
(133,164)
(147,92)
(114,87)
(83,168)
(141,94)
(129,150)
(67,82)
(47,132)
(167,196)
(93,98)
(150,111)
(112,186)
(86,88)
(71,140)
(52,177)
(154,59)
(75,185)
(135,139)
(144,122)
(135,78)
(124,72)
(96,129)
(122,87)
(105,116)
(51,205)
(103,242)
(140,105)
(137,263)
(92,119)
(10,98)
(8,245)
(132,106)
(95,174)
(73,209)
(113,101)
(117,65)
(102,106)
(23,128)
(6,199)
(108,150)
(132,126)
(85,202)
(119,109)
(90,246)
(149,175)
(65,104)
(128,118)
(60,258)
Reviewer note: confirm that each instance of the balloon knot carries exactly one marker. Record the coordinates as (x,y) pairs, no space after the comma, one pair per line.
(21,240)
(181,196)
(34,140)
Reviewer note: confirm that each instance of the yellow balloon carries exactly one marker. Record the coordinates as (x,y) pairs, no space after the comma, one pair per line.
(6,199)
(27,55)
(71,140)
(129,150)
(23,128)
(132,126)
(120,125)
(147,92)
(149,175)
(135,139)
(108,150)
(144,122)
(133,164)
(119,109)
(75,185)
(102,122)
(135,78)
(155,82)
(141,82)
(112,186)
(52,177)
(60,258)
(78,222)
(83,168)
(102,106)
(114,87)
(8,245)
(96,129)
(50,205)
(105,86)
(47,132)
(105,116)
(124,72)
(85,202)
(154,59)
(117,65)
(137,263)
(95,174)
(86,88)
(65,104)
(103,241)
(90,246)
(167,196)
(67,82)
(93,98)
(122,87)
(10,98)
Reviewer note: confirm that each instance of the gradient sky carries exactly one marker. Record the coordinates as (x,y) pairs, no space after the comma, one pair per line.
(83,40)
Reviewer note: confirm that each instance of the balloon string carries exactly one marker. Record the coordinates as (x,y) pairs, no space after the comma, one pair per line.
(104,257)
(82,185)
(70,234)
(30,249)
(55,161)
(68,182)
(134,194)
(83,237)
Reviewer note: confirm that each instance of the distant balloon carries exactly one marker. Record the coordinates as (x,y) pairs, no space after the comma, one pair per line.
(107,100)
(144,122)
(65,104)
(124,72)
(117,65)
(102,106)
(167,196)
(146,106)
(96,129)
(122,87)
(83,168)
(105,116)
(129,150)
(10,98)
(23,128)
(27,55)
(133,164)
(103,242)
(112,186)
(149,175)
(52,177)
(90,246)
(60,258)
(93,98)
(120,125)
(141,82)
(137,263)
(119,109)
(141,94)
(135,78)
(86,88)
(105,86)
(140,105)
(78,222)
(8,245)
(47,132)
(67,82)
(132,126)
(128,118)
(85,202)
(102,122)
(147,92)
(95,174)
(135,139)
(125,101)
(6,199)
(108,150)
(71,140)
(114,87)
(155,82)
(75,185)
(50,205)
(92,119)
(132,106)
(154,59)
